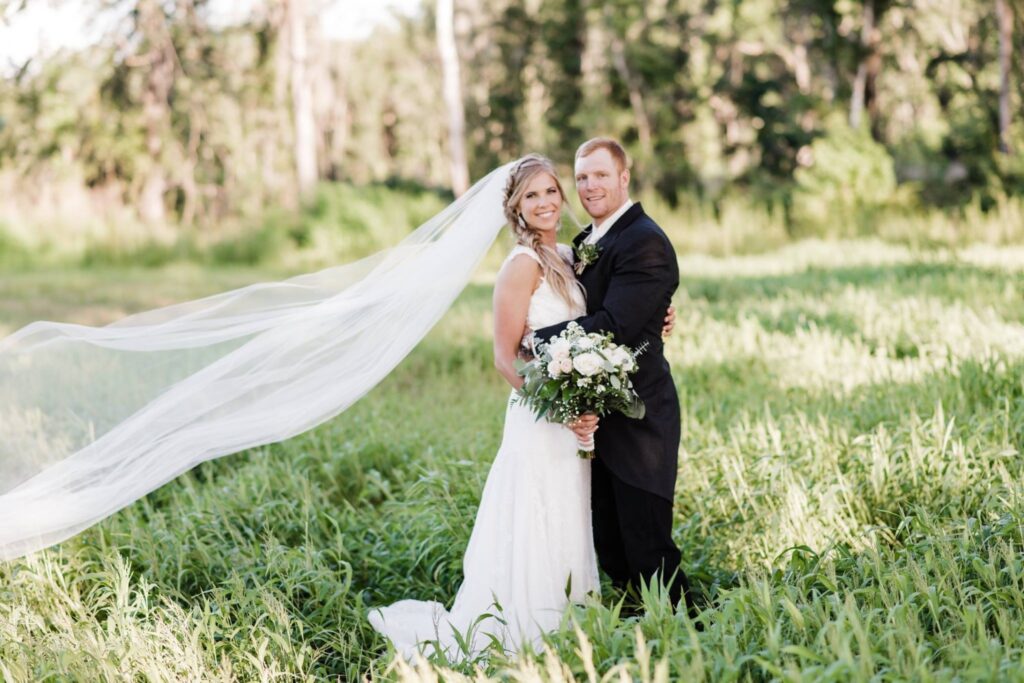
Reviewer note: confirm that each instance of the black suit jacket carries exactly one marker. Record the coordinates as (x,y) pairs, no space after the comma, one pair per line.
(629,288)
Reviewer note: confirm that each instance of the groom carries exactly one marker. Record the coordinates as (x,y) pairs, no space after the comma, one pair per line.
(629,287)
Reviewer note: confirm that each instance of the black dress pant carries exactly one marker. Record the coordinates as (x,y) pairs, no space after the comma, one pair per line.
(633,534)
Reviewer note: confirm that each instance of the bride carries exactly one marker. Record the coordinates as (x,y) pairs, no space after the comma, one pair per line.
(531,551)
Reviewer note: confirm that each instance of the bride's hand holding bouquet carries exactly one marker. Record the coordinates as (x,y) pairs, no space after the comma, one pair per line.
(575,374)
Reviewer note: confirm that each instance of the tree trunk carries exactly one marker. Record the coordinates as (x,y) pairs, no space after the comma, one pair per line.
(452,92)
(1004,18)
(339,115)
(188,176)
(276,178)
(160,60)
(196,116)
(634,87)
(303,119)
(797,59)
(636,97)
(867,71)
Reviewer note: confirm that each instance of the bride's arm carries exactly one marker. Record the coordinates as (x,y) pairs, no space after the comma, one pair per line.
(516,282)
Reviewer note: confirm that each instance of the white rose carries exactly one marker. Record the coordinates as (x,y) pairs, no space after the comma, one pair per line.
(584,343)
(565,365)
(587,363)
(623,359)
(559,349)
(554,368)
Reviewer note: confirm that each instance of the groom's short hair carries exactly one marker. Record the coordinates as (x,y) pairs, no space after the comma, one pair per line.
(610,144)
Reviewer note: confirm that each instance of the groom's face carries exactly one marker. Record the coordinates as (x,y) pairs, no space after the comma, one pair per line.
(602,186)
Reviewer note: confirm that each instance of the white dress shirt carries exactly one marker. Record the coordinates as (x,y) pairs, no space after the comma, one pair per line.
(599,231)
(530,340)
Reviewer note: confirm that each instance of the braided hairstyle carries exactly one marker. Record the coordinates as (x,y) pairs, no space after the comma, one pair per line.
(554,269)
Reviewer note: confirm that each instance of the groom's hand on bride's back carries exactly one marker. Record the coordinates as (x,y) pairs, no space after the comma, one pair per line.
(527,348)
(670,321)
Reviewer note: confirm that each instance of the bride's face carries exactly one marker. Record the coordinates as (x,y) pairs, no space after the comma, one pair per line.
(541,204)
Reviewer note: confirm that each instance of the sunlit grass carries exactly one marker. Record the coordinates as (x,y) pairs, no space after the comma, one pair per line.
(849,495)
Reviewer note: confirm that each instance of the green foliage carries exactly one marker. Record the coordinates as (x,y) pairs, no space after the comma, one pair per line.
(253,246)
(12,251)
(147,254)
(848,181)
(711,100)
(848,500)
(341,223)
(344,222)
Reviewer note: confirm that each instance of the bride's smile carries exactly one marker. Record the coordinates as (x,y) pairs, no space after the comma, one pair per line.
(541,205)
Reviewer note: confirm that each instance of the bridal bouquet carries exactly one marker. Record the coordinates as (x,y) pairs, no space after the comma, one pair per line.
(576,373)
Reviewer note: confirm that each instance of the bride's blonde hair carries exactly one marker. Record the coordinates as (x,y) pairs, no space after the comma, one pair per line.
(555,270)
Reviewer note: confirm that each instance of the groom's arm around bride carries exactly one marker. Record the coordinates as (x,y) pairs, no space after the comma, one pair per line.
(630,283)
(629,287)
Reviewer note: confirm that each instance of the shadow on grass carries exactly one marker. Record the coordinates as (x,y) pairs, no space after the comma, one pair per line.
(977,401)
(948,282)
(721,393)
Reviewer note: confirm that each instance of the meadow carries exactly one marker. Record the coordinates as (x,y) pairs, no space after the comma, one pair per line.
(850,496)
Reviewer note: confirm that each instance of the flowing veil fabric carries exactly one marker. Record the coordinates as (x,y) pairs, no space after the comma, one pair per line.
(94,418)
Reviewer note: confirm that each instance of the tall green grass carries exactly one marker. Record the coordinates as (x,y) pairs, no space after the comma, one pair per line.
(849,500)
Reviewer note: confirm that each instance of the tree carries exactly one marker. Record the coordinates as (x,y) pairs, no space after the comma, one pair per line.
(452,93)
(303,119)
(160,61)
(864,95)
(563,31)
(1004,17)
(634,84)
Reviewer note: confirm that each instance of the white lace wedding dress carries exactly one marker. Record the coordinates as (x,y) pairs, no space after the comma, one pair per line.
(531,550)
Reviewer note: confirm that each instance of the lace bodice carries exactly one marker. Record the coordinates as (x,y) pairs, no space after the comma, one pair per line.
(546,306)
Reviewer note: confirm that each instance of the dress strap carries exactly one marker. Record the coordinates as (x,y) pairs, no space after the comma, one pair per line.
(565,251)
(522,249)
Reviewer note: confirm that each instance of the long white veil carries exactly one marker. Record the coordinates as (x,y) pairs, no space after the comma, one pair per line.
(93,418)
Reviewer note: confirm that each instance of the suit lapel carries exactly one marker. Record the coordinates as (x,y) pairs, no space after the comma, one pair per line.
(582,235)
(606,241)
(595,278)
(625,220)
(604,244)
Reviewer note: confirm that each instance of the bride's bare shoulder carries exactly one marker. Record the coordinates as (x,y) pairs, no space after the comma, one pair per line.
(520,269)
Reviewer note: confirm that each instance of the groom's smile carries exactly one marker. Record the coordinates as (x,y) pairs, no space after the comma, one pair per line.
(602,185)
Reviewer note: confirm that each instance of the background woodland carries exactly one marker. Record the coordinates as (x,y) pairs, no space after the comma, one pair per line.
(757,120)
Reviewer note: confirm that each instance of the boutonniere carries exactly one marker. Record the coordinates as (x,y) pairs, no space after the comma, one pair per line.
(586,255)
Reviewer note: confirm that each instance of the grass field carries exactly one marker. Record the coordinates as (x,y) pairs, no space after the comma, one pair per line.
(850,496)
